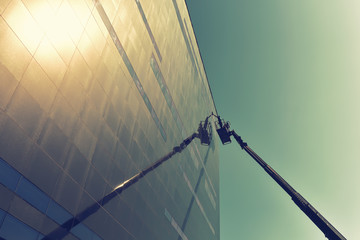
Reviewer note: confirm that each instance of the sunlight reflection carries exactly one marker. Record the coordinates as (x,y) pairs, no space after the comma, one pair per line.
(32,20)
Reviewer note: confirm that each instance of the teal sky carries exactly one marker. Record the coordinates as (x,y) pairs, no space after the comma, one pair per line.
(286,74)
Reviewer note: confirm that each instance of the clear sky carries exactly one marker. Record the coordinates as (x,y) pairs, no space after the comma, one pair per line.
(286,74)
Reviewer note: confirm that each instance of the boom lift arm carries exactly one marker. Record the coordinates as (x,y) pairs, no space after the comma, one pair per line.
(223,129)
(205,135)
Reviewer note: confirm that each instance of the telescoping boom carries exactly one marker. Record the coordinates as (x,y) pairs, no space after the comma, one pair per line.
(224,132)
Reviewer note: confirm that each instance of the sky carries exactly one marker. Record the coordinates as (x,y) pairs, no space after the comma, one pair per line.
(286,75)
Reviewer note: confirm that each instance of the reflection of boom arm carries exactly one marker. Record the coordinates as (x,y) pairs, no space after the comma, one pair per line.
(67,226)
(330,232)
(141,174)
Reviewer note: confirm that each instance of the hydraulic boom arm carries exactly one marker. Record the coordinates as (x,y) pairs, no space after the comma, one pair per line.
(223,130)
(329,230)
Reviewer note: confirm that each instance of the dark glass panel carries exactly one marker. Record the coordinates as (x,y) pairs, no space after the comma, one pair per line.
(8,176)
(30,193)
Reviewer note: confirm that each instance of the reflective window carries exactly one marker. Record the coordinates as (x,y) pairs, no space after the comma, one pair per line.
(14,229)
(33,195)
(2,216)
(82,232)
(30,193)
(8,176)
(57,213)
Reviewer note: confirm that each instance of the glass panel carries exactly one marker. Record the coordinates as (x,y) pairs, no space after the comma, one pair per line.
(2,216)
(30,193)
(96,237)
(13,229)
(57,213)
(82,232)
(8,176)
(40,237)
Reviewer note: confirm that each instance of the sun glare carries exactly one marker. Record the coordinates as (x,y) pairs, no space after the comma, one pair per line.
(32,20)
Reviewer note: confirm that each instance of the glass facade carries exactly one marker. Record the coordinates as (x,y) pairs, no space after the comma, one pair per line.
(91,93)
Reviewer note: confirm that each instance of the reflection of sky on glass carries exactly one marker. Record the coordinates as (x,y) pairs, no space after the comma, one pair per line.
(286,75)
(12,228)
